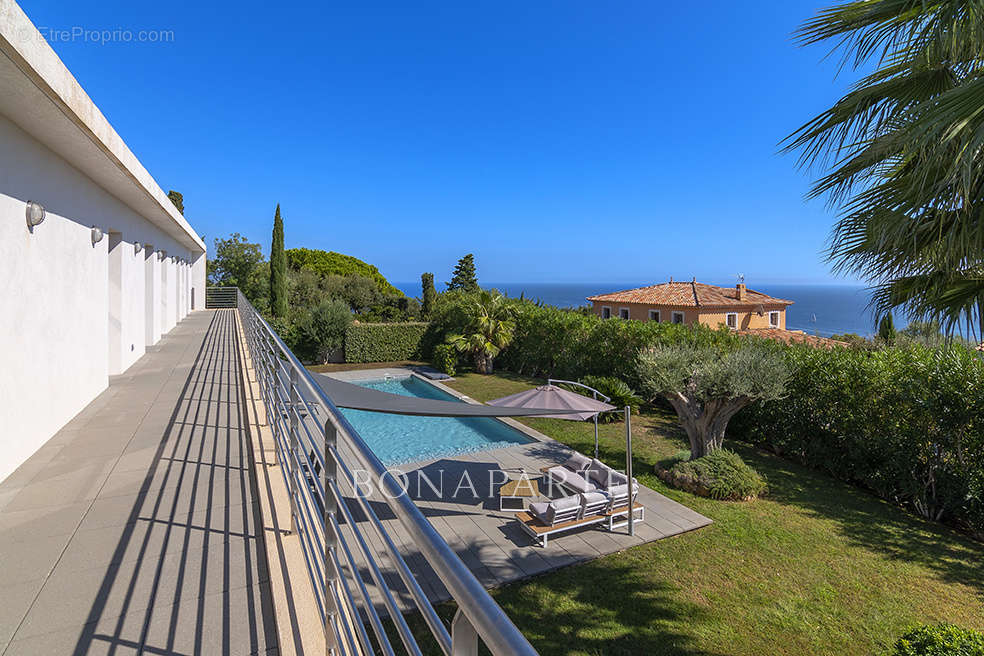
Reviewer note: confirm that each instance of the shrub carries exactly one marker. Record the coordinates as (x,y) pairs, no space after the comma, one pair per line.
(445,358)
(383,342)
(940,640)
(286,328)
(619,393)
(719,475)
(322,330)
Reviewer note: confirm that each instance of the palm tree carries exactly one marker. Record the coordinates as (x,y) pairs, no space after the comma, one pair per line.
(904,153)
(489,331)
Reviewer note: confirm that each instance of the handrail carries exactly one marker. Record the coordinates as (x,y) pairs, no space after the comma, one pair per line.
(292,398)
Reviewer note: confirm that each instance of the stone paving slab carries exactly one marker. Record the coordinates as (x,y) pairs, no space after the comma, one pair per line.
(133,530)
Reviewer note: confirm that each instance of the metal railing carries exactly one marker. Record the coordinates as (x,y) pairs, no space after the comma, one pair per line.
(221,297)
(311,435)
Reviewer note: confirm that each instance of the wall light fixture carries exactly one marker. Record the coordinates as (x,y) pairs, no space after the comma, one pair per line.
(35,214)
(97,235)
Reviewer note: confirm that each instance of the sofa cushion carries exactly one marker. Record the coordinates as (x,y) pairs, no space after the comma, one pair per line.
(622,491)
(577,462)
(570,479)
(618,478)
(597,500)
(600,474)
(539,510)
(564,503)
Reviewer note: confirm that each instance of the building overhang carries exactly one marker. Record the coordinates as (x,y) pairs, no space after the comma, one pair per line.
(43,98)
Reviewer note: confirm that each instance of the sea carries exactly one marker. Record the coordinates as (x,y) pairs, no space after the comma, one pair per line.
(819,309)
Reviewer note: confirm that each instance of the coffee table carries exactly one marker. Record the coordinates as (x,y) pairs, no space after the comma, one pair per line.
(514,494)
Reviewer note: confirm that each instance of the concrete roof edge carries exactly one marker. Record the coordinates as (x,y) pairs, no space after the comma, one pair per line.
(21,41)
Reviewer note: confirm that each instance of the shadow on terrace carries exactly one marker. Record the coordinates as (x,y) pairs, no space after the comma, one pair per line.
(135,528)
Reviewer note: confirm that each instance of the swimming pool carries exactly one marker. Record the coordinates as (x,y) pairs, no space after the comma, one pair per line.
(399,439)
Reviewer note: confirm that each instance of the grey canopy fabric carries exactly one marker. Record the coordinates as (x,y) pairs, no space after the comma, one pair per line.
(553,398)
(356,397)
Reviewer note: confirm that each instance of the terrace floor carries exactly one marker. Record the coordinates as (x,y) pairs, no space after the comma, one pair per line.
(135,529)
(491,542)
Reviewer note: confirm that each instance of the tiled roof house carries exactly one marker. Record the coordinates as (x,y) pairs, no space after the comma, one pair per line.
(694,302)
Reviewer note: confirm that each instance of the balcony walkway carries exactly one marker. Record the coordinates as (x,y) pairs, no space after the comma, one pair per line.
(134,529)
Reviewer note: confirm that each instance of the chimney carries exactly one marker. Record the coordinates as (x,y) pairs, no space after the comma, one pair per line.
(742,295)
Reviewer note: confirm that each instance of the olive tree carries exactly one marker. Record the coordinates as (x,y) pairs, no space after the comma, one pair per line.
(707,385)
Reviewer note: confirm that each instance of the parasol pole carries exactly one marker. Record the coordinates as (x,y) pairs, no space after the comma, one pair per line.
(628,467)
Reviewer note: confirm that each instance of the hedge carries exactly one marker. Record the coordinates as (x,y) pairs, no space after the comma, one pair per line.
(906,423)
(383,342)
(550,342)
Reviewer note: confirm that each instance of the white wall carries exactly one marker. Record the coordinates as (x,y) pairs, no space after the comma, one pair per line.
(55,347)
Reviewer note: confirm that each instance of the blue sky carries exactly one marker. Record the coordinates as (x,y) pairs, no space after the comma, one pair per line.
(558,141)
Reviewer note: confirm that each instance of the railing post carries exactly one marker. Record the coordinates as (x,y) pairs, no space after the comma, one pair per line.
(331,539)
(464,637)
(292,459)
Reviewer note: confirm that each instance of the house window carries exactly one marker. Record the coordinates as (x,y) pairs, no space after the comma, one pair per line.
(731,318)
(678,317)
(623,313)
(654,315)
(773,319)
(606,312)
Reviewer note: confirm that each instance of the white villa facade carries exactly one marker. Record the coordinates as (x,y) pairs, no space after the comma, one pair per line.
(111,267)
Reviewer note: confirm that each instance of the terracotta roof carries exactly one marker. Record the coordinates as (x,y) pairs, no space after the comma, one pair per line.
(793,337)
(689,294)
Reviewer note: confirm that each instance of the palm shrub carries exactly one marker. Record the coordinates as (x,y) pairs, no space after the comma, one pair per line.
(619,393)
(707,385)
(489,330)
(902,152)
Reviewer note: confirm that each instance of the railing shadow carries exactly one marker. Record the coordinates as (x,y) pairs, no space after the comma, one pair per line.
(188,573)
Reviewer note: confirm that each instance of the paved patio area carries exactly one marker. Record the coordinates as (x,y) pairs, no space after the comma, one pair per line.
(134,529)
(491,542)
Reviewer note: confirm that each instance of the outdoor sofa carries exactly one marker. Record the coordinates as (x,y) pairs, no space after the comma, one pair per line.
(580,474)
(600,495)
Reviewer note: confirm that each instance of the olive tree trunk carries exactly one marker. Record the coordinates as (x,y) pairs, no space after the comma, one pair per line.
(705,423)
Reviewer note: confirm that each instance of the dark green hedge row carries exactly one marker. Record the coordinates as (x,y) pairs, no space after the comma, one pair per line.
(906,423)
(383,342)
(550,342)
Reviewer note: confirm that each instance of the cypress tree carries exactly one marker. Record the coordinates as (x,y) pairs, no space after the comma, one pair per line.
(464,277)
(178,200)
(278,268)
(428,294)
(886,328)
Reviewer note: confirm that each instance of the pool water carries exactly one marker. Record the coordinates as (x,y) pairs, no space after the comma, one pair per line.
(399,439)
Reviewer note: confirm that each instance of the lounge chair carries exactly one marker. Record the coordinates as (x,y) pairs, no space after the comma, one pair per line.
(547,518)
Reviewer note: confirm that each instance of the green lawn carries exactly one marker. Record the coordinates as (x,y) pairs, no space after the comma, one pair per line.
(816,567)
